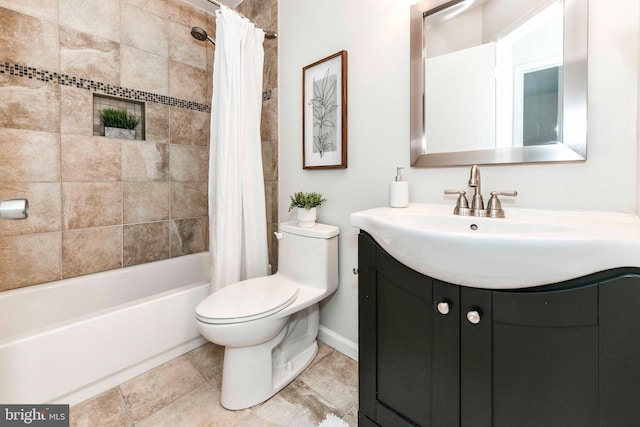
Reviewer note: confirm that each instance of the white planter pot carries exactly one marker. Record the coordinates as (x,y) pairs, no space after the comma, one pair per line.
(306,217)
(119,133)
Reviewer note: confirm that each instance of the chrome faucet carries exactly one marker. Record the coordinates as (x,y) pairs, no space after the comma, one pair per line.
(477,203)
(494,207)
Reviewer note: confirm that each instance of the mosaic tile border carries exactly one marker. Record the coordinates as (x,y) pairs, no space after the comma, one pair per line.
(18,70)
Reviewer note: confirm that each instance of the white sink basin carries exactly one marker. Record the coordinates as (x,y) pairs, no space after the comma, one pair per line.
(528,248)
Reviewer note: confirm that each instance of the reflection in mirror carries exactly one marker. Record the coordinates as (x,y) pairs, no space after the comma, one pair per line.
(498,81)
(541,109)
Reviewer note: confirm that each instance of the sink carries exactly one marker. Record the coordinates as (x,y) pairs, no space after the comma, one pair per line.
(528,248)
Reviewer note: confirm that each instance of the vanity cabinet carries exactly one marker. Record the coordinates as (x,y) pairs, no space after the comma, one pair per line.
(437,354)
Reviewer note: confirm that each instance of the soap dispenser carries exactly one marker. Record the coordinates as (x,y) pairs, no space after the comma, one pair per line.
(399,191)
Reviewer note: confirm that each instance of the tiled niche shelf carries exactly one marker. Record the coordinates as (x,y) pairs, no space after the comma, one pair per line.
(101,102)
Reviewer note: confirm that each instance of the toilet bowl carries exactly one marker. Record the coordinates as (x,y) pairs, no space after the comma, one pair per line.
(268,325)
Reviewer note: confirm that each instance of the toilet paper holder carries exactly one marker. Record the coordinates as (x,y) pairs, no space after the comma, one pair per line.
(14,209)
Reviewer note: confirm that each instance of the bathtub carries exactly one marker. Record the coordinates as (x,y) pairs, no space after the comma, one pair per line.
(66,341)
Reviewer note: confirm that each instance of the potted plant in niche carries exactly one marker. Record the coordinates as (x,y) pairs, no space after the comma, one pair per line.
(306,204)
(119,123)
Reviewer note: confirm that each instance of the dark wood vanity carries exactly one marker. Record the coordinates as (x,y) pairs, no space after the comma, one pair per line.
(437,354)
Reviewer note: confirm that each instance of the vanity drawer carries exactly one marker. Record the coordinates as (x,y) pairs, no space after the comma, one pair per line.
(563,308)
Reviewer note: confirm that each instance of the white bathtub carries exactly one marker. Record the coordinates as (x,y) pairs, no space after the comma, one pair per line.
(66,341)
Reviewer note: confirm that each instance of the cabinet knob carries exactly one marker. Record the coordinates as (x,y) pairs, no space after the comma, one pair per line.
(474,317)
(443,307)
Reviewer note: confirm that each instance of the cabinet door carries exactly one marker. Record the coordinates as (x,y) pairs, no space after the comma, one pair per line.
(619,352)
(545,358)
(403,344)
(475,359)
(446,355)
(409,369)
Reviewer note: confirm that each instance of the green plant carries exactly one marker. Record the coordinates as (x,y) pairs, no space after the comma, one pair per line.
(306,200)
(118,119)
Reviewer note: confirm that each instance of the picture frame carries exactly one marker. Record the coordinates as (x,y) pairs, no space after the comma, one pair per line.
(324,113)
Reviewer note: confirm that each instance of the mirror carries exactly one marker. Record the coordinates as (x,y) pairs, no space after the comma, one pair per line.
(498,81)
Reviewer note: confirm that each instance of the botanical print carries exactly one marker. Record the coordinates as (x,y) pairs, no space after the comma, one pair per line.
(324,107)
(324,113)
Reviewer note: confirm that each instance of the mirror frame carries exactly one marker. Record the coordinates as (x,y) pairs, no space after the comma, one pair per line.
(574,138)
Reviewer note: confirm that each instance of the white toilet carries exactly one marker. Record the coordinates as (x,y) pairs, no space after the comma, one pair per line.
(269,324)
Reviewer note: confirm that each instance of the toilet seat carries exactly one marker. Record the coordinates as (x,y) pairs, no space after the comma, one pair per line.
(247,300)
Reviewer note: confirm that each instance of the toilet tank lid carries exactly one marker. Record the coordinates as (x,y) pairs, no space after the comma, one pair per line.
(319,231)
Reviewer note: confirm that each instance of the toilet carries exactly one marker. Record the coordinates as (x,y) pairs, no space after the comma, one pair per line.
(268,325)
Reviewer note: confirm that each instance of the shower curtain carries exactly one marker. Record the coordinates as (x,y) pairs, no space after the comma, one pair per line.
(237,212)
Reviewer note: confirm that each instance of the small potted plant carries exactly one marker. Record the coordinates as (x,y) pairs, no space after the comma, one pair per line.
(119,123)
(306,204)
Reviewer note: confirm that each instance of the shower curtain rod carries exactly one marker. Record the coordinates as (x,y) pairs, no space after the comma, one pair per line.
(268,34)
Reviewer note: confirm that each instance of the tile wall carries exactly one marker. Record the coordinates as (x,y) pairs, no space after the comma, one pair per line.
(99,203)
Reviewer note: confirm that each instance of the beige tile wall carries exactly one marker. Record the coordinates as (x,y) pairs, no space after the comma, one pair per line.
(98,203)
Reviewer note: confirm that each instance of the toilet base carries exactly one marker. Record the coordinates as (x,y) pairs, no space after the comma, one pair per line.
(284,375)
(251,375)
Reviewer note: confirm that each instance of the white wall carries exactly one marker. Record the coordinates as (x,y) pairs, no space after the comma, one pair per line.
(461,84)
(376,36)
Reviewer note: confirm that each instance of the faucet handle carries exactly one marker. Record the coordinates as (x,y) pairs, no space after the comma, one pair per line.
(505,193)
(462,204)
(494,207)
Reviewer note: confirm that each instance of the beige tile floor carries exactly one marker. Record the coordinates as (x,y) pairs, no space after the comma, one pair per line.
(186,392)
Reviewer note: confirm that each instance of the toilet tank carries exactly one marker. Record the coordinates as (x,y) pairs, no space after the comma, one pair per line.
(309,255)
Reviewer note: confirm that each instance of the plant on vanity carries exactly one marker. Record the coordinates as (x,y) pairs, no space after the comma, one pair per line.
(119,123)
(306,204)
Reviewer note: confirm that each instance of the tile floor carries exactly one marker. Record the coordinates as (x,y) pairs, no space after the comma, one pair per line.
(186,392)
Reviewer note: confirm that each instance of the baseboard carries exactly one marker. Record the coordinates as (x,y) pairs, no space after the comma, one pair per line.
(340,343)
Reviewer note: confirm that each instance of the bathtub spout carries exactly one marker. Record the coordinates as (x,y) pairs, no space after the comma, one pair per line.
(14,209)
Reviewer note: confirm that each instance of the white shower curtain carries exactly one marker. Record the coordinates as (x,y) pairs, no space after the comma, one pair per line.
(237,218)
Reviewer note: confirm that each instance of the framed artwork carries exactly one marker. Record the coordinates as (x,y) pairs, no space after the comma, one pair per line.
(324,113)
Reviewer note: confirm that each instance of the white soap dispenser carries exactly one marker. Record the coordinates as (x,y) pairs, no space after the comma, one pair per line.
(399,191)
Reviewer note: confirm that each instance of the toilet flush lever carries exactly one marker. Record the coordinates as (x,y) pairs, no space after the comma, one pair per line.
(278,235)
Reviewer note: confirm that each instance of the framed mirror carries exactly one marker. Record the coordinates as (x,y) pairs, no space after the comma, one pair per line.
(498,81)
